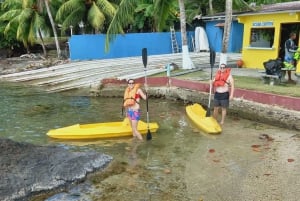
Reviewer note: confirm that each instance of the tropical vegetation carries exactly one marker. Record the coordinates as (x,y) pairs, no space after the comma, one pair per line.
(28,23)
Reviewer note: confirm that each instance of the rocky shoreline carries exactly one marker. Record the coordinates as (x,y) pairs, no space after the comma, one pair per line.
(27,170)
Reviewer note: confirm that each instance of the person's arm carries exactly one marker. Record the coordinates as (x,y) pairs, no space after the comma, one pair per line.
(231,87)
(142,94)
(289,47)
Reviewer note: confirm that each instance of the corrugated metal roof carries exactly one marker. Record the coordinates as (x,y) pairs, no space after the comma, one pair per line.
(263,9)
(294,5)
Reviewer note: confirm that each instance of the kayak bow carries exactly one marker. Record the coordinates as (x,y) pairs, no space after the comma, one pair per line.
(198,116)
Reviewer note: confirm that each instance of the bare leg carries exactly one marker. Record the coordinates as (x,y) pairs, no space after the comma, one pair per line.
(216,112)
(289,75)
(135,131)
(224,110)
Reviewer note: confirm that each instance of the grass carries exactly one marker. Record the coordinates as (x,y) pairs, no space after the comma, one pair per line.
(243,82)
(253,83)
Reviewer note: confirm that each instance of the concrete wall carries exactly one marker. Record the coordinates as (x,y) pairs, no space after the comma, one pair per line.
(87,47)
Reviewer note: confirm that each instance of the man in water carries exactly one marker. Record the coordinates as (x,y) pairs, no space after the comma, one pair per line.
(223,83)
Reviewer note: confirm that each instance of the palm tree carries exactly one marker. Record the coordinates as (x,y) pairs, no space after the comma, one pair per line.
(186,60)
(95,14)
(227,29)
(162,10)
(27,19)
(46,2)
(24,20)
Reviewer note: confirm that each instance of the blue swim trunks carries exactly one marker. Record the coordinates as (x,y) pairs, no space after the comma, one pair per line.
(134,114)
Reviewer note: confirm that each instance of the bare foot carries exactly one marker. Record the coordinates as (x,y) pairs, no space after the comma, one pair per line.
(139,136)
(292,81)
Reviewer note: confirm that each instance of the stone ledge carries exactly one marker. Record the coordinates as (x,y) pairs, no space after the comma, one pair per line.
(240,107)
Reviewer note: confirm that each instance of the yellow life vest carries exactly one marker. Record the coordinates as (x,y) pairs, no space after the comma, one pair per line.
(130,95)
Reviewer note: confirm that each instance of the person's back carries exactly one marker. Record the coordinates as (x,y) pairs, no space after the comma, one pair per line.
(290,47)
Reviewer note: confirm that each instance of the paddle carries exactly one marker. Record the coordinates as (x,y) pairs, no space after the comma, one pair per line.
(144,57)
(212,58)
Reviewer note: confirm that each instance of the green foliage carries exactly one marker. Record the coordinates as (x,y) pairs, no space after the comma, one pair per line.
(94,13)
(21,20)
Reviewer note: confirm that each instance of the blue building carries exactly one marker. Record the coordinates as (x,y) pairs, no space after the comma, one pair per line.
(214,26)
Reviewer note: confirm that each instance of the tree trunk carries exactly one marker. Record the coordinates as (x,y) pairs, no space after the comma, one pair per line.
(53,28)
(227,30)
(211,10)
(43,44)
(186,60)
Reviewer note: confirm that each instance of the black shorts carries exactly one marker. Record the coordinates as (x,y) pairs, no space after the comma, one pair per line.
(221,99)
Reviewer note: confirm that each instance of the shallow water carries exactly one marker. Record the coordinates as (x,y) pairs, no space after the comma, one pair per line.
(179,163)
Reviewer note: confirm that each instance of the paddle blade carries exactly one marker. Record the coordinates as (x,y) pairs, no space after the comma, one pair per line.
(149,135)
(144,56)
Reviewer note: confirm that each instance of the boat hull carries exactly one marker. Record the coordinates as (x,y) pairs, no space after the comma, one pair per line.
(198,116)
(100,130)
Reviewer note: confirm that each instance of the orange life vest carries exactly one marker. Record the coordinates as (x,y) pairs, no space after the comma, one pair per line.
(130,95)
(221,77)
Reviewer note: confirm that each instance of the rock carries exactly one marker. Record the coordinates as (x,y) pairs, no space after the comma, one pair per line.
(27,169)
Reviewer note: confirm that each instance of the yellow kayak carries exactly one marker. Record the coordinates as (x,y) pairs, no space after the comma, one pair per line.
(100,130)
(198,115)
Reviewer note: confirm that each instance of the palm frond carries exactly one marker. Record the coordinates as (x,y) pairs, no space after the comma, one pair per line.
(107,8)
(95,17)
(67,8)
(39,23)
(73,18)
(123,15)
(11,27)
(161,16)
(11,4)
(7,16)
(26,30)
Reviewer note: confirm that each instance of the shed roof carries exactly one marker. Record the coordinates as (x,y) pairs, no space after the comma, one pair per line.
(294,5)
(263,9)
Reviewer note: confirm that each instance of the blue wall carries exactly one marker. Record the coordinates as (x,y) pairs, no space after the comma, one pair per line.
(215,36)
(87,47)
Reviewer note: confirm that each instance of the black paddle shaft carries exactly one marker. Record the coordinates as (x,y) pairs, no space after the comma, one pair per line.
(212,59)
(145,58)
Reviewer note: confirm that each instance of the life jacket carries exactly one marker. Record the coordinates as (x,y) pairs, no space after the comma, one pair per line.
(221,77)
(130,96)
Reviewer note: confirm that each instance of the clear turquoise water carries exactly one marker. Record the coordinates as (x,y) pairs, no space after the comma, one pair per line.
(165,168)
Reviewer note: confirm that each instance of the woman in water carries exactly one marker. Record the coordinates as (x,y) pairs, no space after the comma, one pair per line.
(132,97)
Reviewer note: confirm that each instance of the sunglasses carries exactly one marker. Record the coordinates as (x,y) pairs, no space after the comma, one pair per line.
(130,82)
